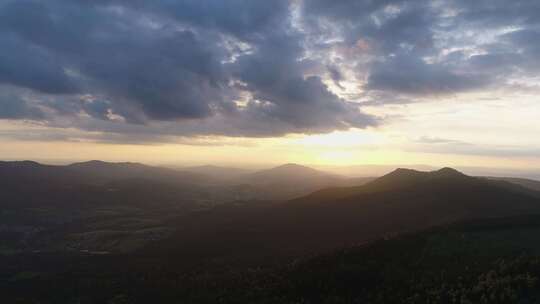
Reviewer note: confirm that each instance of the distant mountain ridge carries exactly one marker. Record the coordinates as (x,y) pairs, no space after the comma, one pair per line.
(94,171)
(306,178)
(524,182)
(289,172)
(208,185)
(293,180)
(94,193)
(127,170)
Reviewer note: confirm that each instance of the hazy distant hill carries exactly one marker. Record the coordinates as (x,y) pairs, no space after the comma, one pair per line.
(222,173)
(31,183)
(289,172)
(97,183)
(105,205)
(527,183)
(96,205)
(95,172)
(292,180)
(279,183)
(61,192)
(115,171)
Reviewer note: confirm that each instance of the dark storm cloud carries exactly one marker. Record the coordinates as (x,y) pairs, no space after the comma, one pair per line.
(349,10)
(14,107)
(31,66)
(239,17)
(150,62)
(167,74)
(411,75)
(387,24)
(281,92)
(251,68)
(410,29)
(496,13)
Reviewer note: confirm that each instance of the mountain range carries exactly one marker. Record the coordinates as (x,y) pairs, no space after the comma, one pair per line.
(289,209)
(127,224)
(209,184)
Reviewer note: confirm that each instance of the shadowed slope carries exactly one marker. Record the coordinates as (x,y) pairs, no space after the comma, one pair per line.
(404,200)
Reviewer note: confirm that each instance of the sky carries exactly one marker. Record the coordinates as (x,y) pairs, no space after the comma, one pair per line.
(243,82)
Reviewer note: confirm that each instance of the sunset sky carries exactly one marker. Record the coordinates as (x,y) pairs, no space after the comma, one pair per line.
(243,82)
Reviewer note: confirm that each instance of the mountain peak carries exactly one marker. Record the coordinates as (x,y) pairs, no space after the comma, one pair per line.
(405,171)
(90,163)
(21,164)
(402,177)
(291,166)
(294,169)
(447,171)
(100,163)
(292,173)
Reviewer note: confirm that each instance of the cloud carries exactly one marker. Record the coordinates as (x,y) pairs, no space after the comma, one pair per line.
(162,73)
(417,50)
(30,66)
(413,76)
(12,106)
(165,65)
(428,144)
(280,91)
(497,13)
(336,76)
(159,69)
(438,140)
